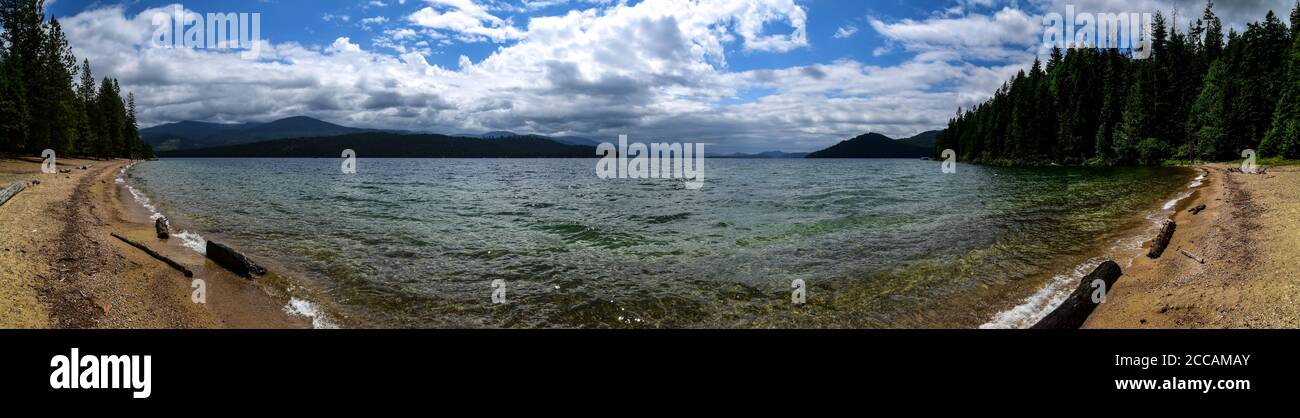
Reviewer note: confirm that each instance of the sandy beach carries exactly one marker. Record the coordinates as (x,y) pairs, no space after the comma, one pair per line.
(61,268)
(1250,242)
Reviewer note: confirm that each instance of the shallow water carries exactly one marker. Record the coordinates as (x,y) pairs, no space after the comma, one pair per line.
(879,243)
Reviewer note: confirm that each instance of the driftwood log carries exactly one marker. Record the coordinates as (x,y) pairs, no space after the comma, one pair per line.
(233,260)
(162,227)
(154,254)
(1075,310)
(1162,240)
(1192,256)
(1197,210)
(11,191)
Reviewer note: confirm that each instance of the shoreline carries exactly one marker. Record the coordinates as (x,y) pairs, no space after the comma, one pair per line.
(63,269)
(1122,244)
(1248,238)
(82,278)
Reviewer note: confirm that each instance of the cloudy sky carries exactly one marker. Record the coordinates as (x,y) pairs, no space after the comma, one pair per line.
(742,75)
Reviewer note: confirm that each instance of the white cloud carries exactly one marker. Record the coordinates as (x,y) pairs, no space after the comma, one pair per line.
(1009,33)
(845,31)
(464,17)
(343,45)
(654,69)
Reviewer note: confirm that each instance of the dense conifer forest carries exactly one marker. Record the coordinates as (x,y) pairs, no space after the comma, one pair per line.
(1202,95)
(50,101)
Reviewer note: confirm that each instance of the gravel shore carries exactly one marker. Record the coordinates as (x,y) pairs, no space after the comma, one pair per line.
(61,268)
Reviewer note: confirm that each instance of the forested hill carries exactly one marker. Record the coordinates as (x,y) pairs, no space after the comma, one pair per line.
(1203,94)
(387,145)
(873,145)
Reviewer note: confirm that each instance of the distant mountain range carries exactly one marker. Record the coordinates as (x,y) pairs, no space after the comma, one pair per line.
(873,145)
(764,155)
(571,140)
(394,145)
(193,135)
(189,135)
(302,136)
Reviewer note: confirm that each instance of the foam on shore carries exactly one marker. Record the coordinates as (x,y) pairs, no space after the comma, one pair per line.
(196,242)
(1038,305)
(1050,296)
(191,240)
(307,309)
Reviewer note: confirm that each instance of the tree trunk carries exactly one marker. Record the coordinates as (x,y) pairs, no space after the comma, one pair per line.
(233,260)
(11,191)
(162,227)
(154,254)
(1075,310)
(1162,240)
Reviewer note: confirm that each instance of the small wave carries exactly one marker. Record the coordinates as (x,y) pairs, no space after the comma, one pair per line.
(144,202)
(1042,302)
(189,239)
(193,241)
(304,308)
(1170,204)
(1197,182)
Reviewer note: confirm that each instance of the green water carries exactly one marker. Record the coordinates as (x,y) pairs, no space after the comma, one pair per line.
(878,243)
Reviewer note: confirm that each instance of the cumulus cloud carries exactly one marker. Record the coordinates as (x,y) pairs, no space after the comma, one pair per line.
(466,18)
(845,31)
(656,69)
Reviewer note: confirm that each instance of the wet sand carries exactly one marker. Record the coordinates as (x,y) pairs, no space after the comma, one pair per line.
(1249,237)
(61,268)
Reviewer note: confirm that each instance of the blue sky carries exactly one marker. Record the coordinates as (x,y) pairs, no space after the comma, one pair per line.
(321,22)
(741,75)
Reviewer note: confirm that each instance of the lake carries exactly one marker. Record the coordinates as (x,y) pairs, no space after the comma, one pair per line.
(876,243)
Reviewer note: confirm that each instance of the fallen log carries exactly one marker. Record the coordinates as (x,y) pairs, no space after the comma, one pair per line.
(1162,240)
(162,227)
(233,260)
(1075,310)
(154,254)
(1197,210)
(1192,256)
(11,191)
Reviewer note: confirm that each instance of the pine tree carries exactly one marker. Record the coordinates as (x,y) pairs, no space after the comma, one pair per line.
(1258,70)
(1134,126)
(1113,100)
(1295,21)
(90,121)
(13,109)
(108,130)
(131,132)
(1202,95)
(59,109)
(1213,43)
(1283,138)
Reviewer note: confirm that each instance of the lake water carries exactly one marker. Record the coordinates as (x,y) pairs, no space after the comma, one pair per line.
(877,243)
